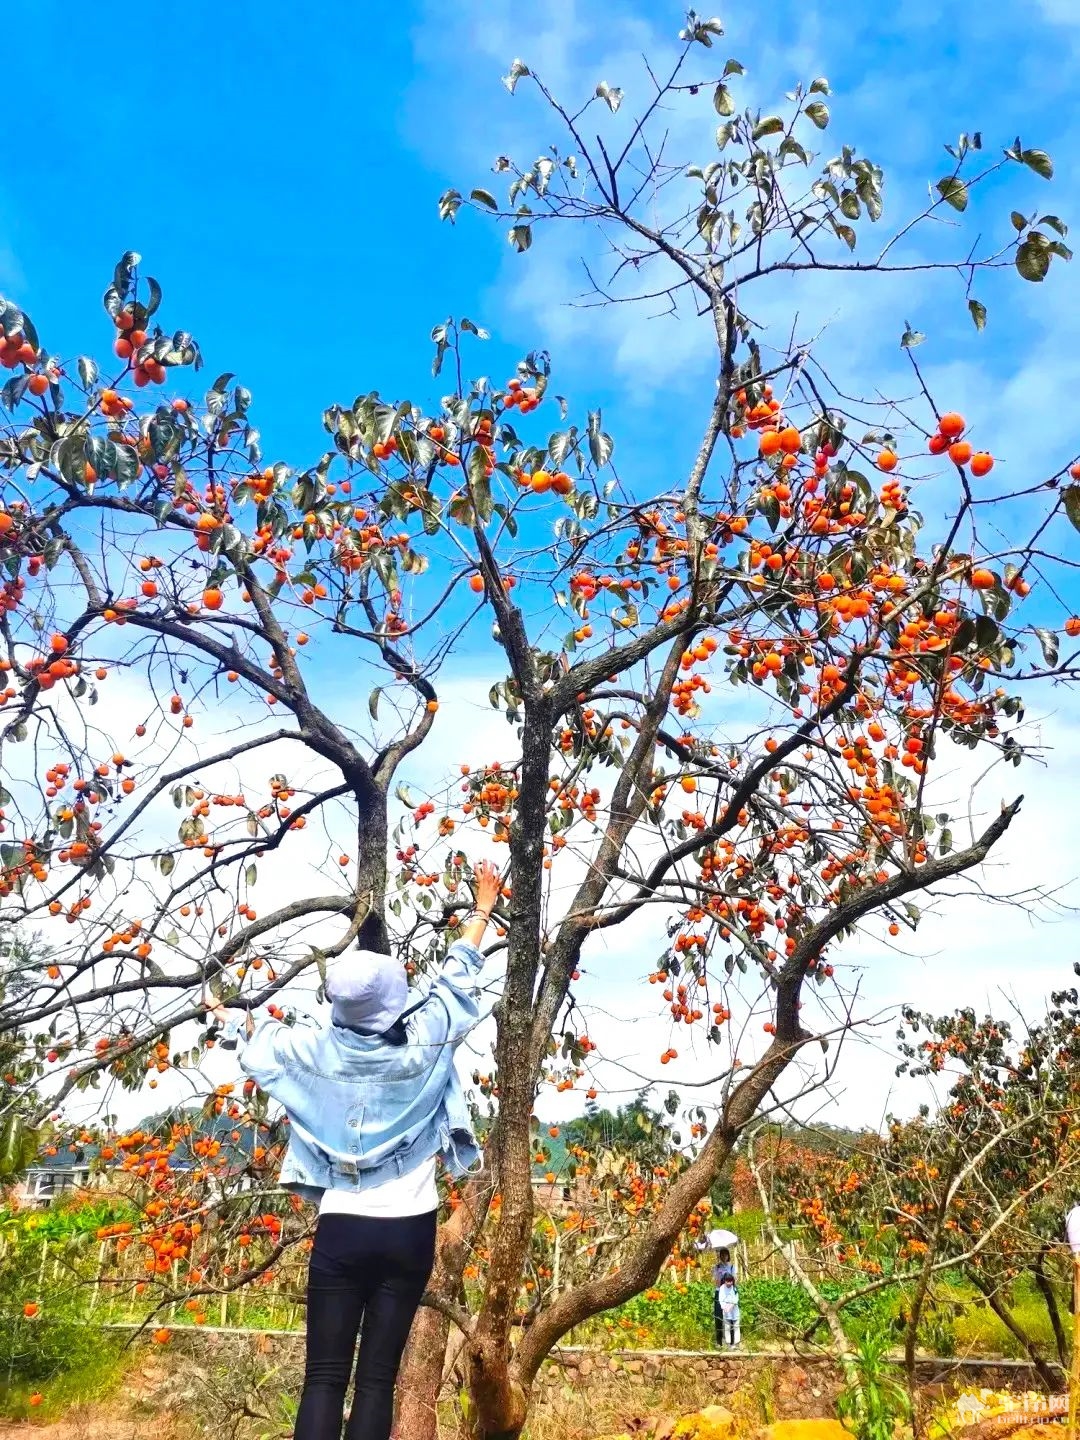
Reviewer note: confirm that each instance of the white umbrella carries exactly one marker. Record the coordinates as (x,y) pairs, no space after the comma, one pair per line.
(720,1240)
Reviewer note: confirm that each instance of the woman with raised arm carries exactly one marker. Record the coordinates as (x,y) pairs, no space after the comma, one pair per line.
(373,1101)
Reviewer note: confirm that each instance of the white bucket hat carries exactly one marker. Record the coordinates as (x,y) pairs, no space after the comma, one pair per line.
(368,990)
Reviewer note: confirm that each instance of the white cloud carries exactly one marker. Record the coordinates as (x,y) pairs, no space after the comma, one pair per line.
(1059,12)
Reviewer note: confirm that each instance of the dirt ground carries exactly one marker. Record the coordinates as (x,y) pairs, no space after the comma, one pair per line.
(151,1408)
(166,1398)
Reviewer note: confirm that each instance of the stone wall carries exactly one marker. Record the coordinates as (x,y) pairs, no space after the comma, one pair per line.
(793,1386)
(779,1383)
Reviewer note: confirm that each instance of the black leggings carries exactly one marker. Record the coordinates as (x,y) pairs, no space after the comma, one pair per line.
(369,1272)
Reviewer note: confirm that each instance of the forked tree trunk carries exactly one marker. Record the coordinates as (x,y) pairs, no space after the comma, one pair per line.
(499,1401)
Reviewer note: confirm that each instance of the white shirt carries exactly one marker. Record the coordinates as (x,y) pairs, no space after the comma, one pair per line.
(1072,1229)
(414,1193)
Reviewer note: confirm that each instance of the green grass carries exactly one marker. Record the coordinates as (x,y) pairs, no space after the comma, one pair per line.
(957,1321)
(90,1377)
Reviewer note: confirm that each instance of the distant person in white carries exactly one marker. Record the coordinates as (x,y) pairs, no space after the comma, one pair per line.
(1072,1234)
(1072,1229)
(727,1304)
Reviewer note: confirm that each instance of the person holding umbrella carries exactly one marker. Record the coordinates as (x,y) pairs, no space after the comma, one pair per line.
(725,1286)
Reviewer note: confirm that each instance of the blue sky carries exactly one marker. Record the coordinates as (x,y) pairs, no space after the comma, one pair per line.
(279,169)
(279,173)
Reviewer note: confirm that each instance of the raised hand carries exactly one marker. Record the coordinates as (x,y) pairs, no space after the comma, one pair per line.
(487,882)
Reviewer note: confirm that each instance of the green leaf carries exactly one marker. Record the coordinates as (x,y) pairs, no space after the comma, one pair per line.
(101,454)
(484,197)
(478,463)
(722,100)
(1018,220)
(734,67)
(482,499)
(978,313)
(911,338)
(770,125)
(1072,505)
(820,86)
(701,31)
(127,465)
(520,236)
(88,370)
(559,445)
(953,191)
(601,444)
(871,198)
(373,702)
(818,113)
(167,864)
(251,874)
(849,205)
(18,1146)
(1039,161)
(1049,642)
(611,95)
(1033,261)
(13,391)
(449,205)
(517,70)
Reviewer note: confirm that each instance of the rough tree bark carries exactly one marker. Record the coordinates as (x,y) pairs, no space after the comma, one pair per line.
(423,1367)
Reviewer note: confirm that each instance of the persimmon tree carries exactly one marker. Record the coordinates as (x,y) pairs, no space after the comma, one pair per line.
(732,700)
(978,1186)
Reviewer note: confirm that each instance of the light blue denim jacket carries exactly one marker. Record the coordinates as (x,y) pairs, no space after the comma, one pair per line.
(362,1110)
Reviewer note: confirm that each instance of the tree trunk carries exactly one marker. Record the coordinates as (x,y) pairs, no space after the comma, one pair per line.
(1046,1290)
(500,1403)
(421,1376)
(1044,1370)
